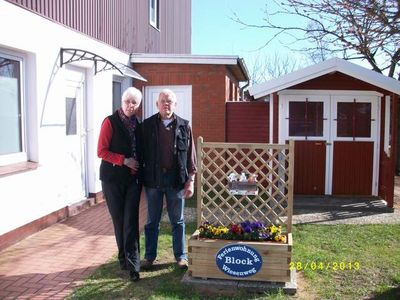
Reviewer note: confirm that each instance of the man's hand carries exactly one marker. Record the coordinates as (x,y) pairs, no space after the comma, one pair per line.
(188,189)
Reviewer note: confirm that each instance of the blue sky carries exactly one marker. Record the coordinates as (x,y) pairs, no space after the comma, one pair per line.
(215,33)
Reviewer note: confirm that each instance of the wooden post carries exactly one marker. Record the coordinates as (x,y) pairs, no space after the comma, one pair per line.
(290,184)
(199,178)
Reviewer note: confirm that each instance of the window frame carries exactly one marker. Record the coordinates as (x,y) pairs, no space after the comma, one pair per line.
(285,98)
(22,156)
(375,107)
(155,22)
(306,122)
(116,103)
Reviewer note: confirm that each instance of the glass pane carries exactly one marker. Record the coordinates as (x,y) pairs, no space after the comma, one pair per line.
(354,119)
(306,118)
(345,119)
(297,112)
(70,116)
(363,119)
(315,120)
(117,94)
(10,107)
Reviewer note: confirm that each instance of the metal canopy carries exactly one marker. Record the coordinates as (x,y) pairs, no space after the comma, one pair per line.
(100,63)
(129,71)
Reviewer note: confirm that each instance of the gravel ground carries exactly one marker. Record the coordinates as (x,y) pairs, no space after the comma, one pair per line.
(354,216)
(331,217)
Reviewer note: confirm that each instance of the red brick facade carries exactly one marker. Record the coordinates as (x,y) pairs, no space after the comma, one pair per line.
(212,86)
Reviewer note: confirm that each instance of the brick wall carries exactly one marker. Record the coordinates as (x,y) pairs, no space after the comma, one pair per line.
(208,93)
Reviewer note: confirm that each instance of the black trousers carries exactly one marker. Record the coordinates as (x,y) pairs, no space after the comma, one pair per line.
(123,204)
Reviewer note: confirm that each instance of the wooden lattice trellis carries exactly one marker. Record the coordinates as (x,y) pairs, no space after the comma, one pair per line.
(271,162)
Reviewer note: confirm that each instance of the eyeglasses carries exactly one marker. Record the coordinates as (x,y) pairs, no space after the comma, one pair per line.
(166,101)
(131,101)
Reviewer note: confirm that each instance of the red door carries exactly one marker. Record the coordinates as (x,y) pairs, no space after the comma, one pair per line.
(354,133)
(309,167)
(352,168)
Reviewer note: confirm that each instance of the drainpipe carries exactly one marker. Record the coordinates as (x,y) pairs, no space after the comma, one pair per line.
(245,72)
(242,89)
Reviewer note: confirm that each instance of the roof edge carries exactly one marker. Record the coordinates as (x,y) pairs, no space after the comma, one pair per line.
(183,58)
(323,68)
(162,58)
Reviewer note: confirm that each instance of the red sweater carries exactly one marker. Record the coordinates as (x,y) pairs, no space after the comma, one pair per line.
(103,145)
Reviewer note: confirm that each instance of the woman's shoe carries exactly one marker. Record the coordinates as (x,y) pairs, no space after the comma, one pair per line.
(134,276)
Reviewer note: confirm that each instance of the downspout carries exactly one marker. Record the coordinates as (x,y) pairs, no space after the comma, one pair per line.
(242,89)
(246,75)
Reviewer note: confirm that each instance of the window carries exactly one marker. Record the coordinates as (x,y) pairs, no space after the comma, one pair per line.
(11,110)
(353,119)
(154,13)
(70,116)
(306,118)
(117,94)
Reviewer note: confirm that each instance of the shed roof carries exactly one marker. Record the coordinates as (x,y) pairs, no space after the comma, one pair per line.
(325,67)
(234,63)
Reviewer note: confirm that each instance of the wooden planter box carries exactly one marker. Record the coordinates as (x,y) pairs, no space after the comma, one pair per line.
(270,201)
(275,267)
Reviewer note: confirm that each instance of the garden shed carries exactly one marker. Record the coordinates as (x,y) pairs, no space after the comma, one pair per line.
(343,118)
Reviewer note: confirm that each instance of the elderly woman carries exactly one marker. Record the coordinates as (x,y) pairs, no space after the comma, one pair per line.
(119,149)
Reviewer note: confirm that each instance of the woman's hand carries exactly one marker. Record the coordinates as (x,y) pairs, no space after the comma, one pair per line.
(131,163)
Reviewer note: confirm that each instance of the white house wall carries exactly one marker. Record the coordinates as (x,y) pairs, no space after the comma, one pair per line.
(30,195)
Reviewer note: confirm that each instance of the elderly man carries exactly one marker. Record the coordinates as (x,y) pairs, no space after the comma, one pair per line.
(169,170)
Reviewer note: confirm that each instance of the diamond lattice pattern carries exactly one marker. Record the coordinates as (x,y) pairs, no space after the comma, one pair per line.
(271,163)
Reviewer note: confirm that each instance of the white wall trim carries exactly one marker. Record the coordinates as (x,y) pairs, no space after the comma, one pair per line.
(271,119)
(386,145)
(330,92)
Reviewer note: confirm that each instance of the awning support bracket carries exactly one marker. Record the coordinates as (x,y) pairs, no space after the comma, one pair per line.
(79,55)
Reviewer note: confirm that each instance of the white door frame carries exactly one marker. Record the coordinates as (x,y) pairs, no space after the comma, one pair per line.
(330,98)
(284,99)
(375,127)
(184,100)
(75,79)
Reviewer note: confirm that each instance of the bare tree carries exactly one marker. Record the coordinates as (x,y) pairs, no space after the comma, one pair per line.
(274,65)
(353,29)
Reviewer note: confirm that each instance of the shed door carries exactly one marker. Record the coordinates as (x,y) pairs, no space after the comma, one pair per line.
(183,95)
(354,138)
(306,121)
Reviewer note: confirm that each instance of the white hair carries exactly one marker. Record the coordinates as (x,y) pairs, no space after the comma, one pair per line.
(132,93)
(167,92)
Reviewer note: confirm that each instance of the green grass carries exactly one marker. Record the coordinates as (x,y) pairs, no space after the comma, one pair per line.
(374,247)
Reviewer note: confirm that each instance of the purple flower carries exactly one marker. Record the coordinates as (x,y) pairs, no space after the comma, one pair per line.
(245,224)
(247,229)
(257,225)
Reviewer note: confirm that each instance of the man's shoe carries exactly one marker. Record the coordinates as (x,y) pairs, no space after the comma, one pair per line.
(146,264)
(182,264)
(134,276)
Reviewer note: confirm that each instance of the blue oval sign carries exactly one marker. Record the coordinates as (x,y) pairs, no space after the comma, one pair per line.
(238,260)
